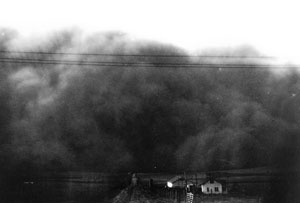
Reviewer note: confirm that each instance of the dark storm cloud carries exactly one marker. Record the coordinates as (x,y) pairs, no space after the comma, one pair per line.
(112,118)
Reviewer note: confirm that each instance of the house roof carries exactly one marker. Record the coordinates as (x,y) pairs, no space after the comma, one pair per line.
(211,181)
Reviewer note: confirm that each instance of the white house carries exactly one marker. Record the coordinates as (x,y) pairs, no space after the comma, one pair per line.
(211,187)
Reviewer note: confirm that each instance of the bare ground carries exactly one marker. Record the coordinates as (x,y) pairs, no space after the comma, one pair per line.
(140,195)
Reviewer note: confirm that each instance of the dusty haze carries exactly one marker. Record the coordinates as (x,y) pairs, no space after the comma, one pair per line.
(65,117)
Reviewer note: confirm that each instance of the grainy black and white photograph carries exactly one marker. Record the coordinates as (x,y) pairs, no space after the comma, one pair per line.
(139,101)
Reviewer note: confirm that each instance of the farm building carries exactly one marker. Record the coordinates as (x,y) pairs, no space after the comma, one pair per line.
(178,182)
(211,187)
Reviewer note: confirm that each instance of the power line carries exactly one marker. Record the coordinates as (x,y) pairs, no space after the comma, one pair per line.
(137,55)
(134,64)
(28,60)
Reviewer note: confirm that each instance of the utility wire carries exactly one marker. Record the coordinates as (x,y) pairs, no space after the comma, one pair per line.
(133,64)
(136,55)
(28,60)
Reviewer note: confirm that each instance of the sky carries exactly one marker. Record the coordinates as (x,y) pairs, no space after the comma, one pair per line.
(271,27)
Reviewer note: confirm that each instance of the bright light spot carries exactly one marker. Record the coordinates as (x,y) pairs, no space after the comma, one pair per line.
(169,184)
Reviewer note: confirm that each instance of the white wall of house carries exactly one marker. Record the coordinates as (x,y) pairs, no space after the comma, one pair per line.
(211,188)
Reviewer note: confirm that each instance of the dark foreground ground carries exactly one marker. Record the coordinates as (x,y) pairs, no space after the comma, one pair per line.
(253,185)
(141,195)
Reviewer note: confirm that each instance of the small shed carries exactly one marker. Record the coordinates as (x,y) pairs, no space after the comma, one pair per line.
(211,187)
